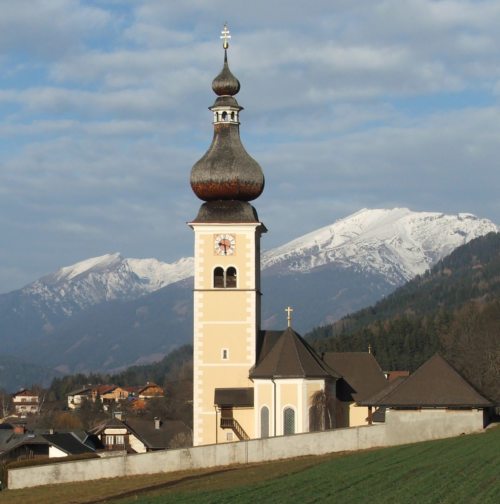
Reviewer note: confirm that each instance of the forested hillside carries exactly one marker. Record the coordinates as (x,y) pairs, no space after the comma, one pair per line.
(454,308)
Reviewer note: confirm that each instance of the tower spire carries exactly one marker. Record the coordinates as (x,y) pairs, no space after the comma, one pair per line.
(226,171)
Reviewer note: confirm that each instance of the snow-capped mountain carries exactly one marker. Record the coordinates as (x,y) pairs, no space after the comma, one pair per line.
(105,278)
(107,312)
(397,243)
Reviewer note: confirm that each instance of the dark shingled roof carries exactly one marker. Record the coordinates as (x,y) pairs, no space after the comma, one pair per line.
(434,384)
(224,211)
(242,397)
(156,439)
(390,386)
(226,171)
(144,429)
(289,356)
(68,442)
(226,83)
(362,376)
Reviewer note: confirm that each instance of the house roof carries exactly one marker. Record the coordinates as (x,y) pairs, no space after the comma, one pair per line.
(389,387)
(142,388)
(362,376)
(25,392)
(104,389)
(17,440)
(156,439)
(288,355)
(434,384)
(80,391)
(242,397)
(392,375)
(107,424)
(68,442)
(144,429)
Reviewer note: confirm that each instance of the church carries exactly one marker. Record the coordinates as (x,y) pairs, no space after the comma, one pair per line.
(250,383)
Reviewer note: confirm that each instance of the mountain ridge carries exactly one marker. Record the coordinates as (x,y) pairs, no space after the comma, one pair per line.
(136,309)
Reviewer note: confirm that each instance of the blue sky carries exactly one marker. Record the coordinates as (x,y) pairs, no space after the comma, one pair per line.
(348,105)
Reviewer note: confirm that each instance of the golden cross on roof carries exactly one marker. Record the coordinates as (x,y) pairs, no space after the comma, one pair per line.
(225,36)
(289,311)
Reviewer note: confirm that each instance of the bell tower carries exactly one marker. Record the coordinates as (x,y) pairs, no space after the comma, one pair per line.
(226,297)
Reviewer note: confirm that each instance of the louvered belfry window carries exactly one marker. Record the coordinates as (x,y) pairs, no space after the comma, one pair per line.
(288,421)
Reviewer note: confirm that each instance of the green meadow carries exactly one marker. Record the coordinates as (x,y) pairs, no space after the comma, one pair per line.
(458,470)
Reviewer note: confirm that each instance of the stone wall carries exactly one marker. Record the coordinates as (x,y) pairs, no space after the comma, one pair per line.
(401,427)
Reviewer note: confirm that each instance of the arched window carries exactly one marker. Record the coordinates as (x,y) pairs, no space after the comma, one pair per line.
(225,279)
(219,278)
(231,278)
(224,116)
(264,422)
(232,116)
(288,421)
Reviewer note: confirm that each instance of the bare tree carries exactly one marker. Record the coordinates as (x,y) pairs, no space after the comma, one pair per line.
(4,403)
(321,417)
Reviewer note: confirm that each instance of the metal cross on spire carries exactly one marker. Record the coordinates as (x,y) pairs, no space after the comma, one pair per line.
(289,311)
(225,36)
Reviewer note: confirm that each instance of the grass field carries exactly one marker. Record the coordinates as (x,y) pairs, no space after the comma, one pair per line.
(458,470)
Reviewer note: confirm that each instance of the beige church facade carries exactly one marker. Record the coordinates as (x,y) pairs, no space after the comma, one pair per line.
(248,383)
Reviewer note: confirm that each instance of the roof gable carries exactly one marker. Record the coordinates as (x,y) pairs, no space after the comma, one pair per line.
(434,384)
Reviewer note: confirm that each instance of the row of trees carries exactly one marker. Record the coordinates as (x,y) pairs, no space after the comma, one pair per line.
(173,374)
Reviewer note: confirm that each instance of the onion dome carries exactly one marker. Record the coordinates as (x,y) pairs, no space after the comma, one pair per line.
(225,83)
(226,171)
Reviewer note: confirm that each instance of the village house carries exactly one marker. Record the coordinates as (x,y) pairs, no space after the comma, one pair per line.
(26,402)
(436,390)
(149,391)
(106,394)
(138,435)
(16,443)
(76,397)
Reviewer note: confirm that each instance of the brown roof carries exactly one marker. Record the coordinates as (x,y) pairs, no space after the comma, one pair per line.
(392,375)
(362,376)
(156,439)
(233,397)
(24,392)
(289,356)
(104,389)
(434,384)
(389,387)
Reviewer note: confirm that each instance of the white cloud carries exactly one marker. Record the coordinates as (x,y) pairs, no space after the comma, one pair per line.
(348,105)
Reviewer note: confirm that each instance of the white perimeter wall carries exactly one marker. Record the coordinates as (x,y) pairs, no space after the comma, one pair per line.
(400,427)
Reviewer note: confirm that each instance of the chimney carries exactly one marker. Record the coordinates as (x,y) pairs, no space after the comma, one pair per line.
(19,429)
(157,423)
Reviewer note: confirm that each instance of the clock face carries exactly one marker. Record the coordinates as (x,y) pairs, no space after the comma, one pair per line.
(224,244)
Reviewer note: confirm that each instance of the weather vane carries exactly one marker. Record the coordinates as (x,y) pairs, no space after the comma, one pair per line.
(225,36)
